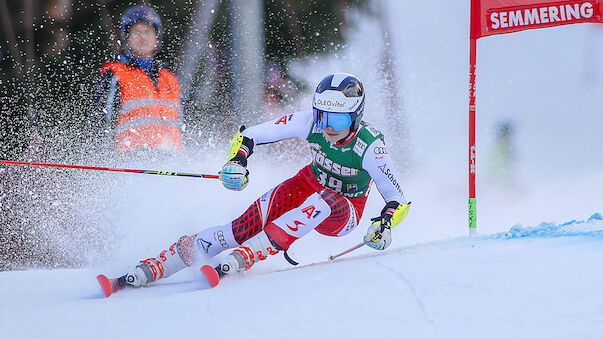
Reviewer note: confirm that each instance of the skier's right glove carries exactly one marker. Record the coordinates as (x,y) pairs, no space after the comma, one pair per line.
(234,174)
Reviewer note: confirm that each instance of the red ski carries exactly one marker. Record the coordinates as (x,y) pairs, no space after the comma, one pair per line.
(211,274)
(109,286)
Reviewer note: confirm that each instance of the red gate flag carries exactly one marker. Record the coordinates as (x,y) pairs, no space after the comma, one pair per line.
(491,17)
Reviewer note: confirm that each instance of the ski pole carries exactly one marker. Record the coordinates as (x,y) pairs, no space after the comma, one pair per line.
(333,257)
(177,174)
(403,208)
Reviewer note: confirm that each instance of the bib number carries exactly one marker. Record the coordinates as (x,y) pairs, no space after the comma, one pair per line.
(329,182)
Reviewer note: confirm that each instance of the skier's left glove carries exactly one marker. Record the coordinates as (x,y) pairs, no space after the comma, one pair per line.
(379,234)
(234,174)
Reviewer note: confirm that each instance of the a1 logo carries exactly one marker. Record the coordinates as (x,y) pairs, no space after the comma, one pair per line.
(309,211)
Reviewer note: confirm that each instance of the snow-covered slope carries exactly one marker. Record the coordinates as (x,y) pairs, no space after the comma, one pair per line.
(530,282)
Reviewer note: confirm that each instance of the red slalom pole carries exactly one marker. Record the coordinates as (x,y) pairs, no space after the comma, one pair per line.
(177,174)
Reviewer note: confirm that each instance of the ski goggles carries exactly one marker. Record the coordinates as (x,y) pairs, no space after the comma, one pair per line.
(339,121)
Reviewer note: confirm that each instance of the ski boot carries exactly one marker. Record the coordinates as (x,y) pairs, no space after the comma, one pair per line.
(140,277)
(242,258)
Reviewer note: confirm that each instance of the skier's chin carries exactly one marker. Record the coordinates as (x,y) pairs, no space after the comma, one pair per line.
(332,135)
(331,138)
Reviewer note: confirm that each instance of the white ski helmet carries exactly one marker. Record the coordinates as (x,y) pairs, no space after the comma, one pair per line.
(339,102)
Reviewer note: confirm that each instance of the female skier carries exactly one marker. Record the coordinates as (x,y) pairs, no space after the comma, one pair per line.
(328,195)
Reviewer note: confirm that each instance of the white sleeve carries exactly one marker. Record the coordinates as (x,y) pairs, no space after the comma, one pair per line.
(290,126)
(380,167)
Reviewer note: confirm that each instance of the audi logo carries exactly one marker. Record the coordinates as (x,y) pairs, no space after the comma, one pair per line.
(380,150)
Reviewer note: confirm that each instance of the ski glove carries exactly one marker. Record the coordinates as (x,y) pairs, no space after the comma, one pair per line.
(234,174)
(379,234)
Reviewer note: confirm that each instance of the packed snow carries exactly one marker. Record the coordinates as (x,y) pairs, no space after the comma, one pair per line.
(538,281)
(533,270)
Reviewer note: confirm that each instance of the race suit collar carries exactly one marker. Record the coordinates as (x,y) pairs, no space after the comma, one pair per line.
(349,137)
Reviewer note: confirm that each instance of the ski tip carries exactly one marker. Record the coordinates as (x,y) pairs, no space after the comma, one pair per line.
(330,258)
(105,284)
(211,275)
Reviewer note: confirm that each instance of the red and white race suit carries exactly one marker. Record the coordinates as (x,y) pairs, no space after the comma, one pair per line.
(284,211)
(301,203)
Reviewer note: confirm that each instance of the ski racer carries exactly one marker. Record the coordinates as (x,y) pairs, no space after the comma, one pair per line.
(137,98)
(328,195)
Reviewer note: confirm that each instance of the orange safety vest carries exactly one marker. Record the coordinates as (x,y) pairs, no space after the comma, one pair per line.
(149,115)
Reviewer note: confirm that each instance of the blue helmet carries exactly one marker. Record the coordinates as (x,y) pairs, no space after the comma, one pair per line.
(141,14)
(339,102)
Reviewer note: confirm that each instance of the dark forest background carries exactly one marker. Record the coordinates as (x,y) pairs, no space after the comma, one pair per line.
(52,51)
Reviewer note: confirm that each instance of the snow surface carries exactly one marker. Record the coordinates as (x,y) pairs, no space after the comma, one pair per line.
(536,281)
(530,282)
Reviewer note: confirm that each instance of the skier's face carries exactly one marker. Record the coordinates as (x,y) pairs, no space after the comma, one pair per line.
(333,136)
(142,40)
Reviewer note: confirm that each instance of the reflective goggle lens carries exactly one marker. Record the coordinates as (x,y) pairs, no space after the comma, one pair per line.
(339,121)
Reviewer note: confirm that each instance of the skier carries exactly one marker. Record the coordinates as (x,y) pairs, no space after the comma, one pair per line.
(328,195)
(136,96)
